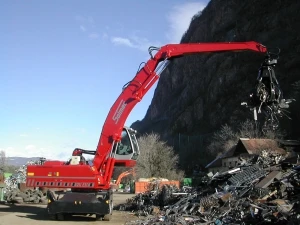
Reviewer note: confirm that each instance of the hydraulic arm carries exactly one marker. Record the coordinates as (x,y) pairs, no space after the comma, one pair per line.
(97,176)
(124,174)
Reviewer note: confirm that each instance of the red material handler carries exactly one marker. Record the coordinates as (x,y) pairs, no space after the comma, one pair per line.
(61,175)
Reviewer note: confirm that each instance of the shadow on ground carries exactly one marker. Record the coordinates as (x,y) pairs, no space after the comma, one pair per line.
(22,208)
(45,217)
(38,212)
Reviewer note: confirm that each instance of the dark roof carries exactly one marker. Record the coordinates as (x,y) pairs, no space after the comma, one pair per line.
(289,142)
(292,160)
(255,146)
(252,147)
(293,145)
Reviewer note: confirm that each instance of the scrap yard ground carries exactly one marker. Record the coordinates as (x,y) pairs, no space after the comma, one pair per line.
(32,214)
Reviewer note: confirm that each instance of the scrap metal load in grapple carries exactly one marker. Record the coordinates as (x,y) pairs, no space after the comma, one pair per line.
(90,184)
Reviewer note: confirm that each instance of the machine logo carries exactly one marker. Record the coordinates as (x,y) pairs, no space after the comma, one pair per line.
(82,184)
(119,111)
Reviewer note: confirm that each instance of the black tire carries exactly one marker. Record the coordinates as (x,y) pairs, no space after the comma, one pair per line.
(99,217)
(107,217)
(52,217)
(60,217)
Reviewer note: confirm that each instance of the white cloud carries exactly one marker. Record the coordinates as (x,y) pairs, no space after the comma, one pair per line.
(179,19)
(93,35)
(104,35)
(6,150)
(122,41)
(23,135)
(88,21)
(91,21)
(36,151)
(87,24)
(143,43)
(134,42)
(80,19)
(81,130)
(30,147)
(82,28)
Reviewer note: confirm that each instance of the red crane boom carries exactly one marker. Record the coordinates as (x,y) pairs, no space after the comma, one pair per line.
(99,175)
(143,81)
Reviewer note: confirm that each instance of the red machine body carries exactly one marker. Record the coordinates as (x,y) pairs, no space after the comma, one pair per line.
(98,176)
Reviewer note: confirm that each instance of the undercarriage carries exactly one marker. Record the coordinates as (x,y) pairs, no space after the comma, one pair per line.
(71,203)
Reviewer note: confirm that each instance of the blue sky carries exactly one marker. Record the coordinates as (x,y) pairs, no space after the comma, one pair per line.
(63,64)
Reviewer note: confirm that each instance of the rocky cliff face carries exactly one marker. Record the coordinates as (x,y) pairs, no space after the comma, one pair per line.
(199,93)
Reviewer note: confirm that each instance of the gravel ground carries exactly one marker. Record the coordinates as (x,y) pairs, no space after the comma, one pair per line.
(29,214)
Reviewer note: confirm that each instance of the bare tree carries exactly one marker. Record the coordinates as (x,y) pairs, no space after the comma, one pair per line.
(227,137)
(248,129)
(2,161)
(157,159)
(223,140)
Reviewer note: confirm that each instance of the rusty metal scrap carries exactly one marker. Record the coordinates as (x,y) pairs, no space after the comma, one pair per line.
(261,191)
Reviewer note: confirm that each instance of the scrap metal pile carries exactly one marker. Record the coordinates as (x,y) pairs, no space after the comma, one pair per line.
(29,196)
(261,190)
(15,194)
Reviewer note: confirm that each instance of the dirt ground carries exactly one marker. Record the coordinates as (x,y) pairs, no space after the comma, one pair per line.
(32,214)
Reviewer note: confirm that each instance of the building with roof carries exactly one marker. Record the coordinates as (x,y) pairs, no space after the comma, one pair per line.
(244,148)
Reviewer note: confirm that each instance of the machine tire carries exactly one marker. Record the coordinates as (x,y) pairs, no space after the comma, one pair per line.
(60,216)
(107,217)
(99,217)
(52,217)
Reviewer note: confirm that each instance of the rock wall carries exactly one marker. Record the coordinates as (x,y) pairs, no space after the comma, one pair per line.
(199,93)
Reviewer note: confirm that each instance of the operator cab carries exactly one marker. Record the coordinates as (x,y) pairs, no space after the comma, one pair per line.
(127,148)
